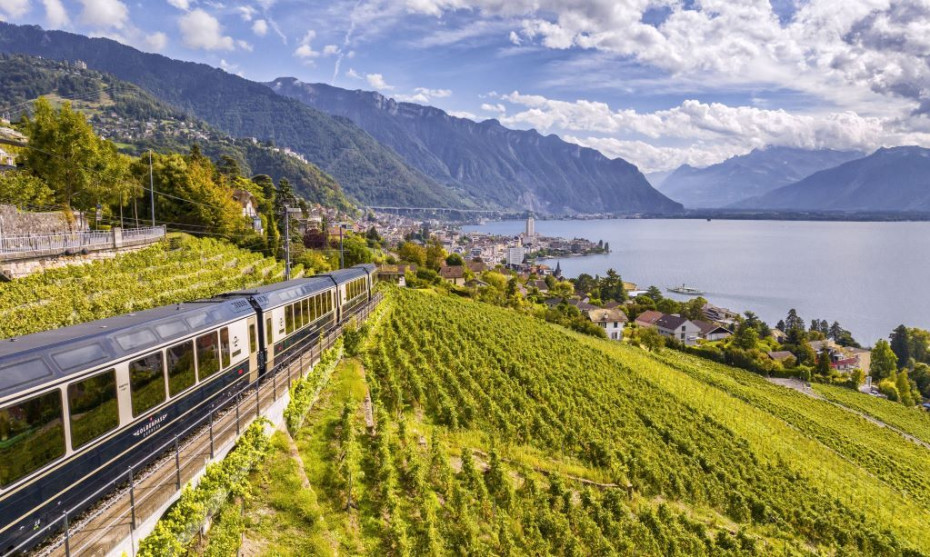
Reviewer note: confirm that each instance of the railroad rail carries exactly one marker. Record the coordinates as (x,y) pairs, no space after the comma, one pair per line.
(131,504)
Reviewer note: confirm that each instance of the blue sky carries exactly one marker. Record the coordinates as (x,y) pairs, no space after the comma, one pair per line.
(658,82)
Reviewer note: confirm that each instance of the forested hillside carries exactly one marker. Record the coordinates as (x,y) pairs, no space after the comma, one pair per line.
(495,433)
(367,170)
(137,121)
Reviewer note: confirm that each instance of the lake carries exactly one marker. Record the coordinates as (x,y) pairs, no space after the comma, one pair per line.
(869,276)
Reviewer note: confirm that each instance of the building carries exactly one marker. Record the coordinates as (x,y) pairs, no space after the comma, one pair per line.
(783,356)
(712,331)
(679,328)
(611,320)
(530,227)
(453,273)
(719,314)
(476,267)
(515,255)
(249,204)
(7,161)
(648,318)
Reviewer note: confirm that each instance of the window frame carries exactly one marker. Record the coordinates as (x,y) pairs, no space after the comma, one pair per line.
(115,397)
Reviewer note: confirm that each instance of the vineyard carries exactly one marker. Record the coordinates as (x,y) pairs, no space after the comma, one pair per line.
(909,420)
(495,433)
(178,270)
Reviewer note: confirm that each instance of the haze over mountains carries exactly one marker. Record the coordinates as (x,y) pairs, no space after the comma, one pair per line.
(895,179)
(466,165)
(499,166)
(745,176)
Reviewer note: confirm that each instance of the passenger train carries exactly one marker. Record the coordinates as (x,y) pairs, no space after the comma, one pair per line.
(80,405)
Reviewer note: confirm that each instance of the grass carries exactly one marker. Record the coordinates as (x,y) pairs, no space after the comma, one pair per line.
(912,421)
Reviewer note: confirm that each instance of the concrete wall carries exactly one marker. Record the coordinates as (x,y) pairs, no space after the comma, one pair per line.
(14,222)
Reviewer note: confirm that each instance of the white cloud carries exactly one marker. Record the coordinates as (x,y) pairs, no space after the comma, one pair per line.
(55,14)
(180,4)
(462,114)
(305,49)
(246,12)
(156,42)
(353,74)
(330,50)
(230,67)
(15,8)
(260,27)
(200,30)
(244,45)
(493,108)
(104,14)
(424,95)
(515,38)
(376,81)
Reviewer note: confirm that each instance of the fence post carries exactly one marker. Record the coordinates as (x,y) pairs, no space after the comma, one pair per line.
(177,462)
(258,402)
(211,434)
(237,416)
(132,500)
(67,537)
(274,386)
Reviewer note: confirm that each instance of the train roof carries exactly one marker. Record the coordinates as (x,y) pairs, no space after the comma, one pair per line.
(343,276)
(370,268)
(280,293)
(31,360)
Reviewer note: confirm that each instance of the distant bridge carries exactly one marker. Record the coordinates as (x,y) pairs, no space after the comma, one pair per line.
(443,210)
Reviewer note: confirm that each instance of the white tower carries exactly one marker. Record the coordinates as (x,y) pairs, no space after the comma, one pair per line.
(530,227)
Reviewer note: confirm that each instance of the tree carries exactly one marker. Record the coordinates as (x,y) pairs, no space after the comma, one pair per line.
(24,190)
(884,361)
(746,337)
(651,339)
(454,260)
(67,155)
(435,255)
(903,384)
(823,362)
(654,293)
(781,325)
(900,345)
(412,253)
(793,321)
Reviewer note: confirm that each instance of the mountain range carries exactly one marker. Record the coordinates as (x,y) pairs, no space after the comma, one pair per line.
(745,176)
(436,161)
(892,179)
(497,165)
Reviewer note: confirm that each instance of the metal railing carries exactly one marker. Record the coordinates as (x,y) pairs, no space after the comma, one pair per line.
(112,513)
(24,246)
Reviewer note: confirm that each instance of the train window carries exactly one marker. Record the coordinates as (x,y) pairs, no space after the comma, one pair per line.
(299,314)
(180,367)
(208,356)
(32,434)
(289,319)
(79,357)
(147,382)
(253,339)
(268,332)
(93,408)
(224,346)
(308,311)
(136,340)
(170,330)
(23,372)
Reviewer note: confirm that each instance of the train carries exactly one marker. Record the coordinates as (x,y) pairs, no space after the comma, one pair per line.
(79,405)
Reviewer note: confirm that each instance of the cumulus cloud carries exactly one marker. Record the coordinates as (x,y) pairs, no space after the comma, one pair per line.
(246,12)
(180,4)
(330,50)
(260,27)
(305,48)
(200,30)
(353,74)
(488,107)
(14,8)
(462,114)
(424,95)
(376,81)
(55,14)
(156,42)
(103,14)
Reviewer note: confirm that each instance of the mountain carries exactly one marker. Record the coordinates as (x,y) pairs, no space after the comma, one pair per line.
(896,179)
(368,171)
(136,122)
(493,164)
(750,175)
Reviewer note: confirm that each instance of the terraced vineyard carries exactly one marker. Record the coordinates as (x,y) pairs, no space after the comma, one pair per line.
(496,433)
(911,421)
(178,270)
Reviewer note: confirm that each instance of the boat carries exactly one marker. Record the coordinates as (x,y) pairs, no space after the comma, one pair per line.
(686,290)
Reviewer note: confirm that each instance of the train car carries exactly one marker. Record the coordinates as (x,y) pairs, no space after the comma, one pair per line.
(290,313)
(353,289)
(80,404)
(372,271)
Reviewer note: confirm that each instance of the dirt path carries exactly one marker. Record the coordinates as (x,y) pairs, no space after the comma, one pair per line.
(800,386)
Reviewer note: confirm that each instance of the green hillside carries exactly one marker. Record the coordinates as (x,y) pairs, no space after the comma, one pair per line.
(499,434)
(136,121)
(179,269)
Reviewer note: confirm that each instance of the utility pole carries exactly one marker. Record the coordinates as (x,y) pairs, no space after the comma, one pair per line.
(151,188)
(342,253)
(287,243)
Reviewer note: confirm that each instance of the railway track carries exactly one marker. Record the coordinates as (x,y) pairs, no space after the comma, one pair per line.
(138,495)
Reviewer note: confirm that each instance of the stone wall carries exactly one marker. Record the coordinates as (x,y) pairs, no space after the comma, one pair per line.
(10,270)
(14,222)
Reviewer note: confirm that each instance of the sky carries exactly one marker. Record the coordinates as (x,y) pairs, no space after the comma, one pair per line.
(659,83)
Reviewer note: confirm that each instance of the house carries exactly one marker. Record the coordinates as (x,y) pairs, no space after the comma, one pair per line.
(611,320)
(538,285)
(395,273)
(249,204)
(453,273)
(475,283)
(719,314)
(865,358)
(648,318)
(477,267)
(712,331)
(779,336)
(7,160)
(612,305)
(783,356)
(679,328)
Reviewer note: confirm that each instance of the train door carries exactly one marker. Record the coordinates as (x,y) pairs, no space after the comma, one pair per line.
(253,348)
